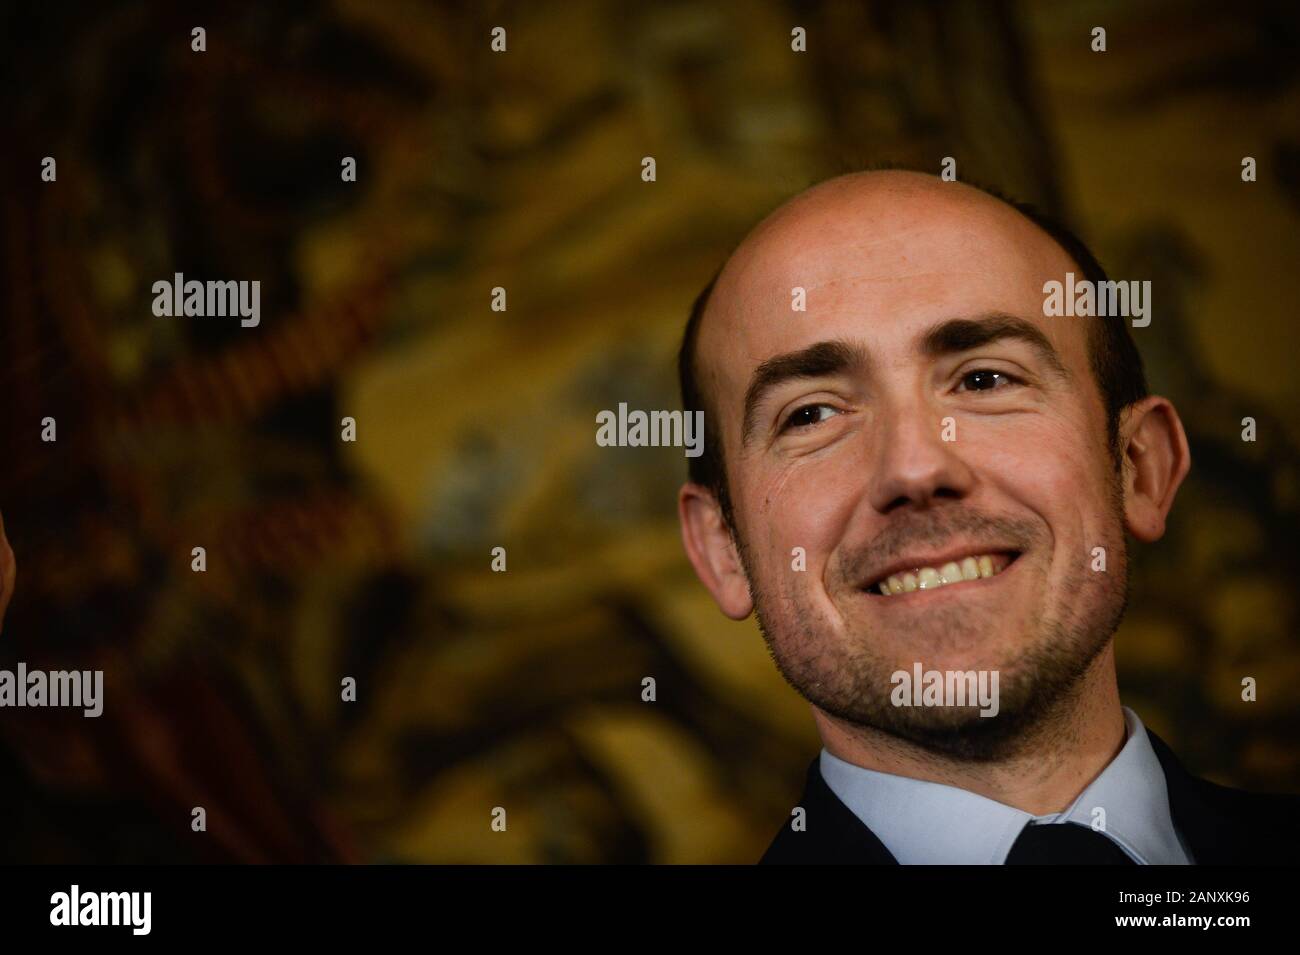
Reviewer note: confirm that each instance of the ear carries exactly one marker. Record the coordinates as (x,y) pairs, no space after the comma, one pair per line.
(1156,459)
(8,571)
(712,551)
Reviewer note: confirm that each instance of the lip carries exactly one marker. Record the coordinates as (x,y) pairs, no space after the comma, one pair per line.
(937,559)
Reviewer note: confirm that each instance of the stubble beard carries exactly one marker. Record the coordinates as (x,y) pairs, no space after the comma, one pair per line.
(851,681)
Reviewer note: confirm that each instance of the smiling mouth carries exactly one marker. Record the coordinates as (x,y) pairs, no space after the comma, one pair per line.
(957,571)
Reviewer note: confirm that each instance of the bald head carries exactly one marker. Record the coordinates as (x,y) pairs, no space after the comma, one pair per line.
(865,248)
(872,228)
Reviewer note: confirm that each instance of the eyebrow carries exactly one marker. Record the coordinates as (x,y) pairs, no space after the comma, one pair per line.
(835,357)
(965,334)
(818,360)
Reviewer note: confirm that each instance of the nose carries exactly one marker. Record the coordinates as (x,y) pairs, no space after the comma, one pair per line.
(912,462)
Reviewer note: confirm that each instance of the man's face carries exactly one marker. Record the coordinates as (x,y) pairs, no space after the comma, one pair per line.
(921,419)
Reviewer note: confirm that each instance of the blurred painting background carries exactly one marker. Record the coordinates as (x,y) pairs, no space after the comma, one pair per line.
(475,428)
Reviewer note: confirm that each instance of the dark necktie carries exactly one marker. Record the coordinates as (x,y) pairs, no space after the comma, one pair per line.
(1065,844)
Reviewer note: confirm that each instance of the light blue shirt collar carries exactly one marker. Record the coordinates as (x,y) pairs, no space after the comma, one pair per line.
(924,823)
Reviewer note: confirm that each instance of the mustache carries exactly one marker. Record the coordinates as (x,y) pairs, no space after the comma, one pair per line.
(933,529)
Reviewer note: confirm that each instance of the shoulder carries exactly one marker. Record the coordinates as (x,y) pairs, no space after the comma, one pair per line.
(1225,825)
(821,830)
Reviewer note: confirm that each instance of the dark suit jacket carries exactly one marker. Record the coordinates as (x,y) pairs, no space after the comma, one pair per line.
(1221,826)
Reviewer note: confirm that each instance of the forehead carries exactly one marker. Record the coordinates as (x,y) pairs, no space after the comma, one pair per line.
(882,258)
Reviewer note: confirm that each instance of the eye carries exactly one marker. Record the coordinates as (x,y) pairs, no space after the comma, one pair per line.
(807,415)
(985,379)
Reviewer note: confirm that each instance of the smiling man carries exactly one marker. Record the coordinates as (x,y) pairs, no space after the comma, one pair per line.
(923,473)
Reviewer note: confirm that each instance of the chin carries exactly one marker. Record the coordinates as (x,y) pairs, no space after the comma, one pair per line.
(988,647)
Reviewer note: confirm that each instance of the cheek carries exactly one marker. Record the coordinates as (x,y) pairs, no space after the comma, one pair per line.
(805,503)
(1055,467)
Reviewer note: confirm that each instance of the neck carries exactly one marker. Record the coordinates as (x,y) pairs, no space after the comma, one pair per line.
(1056,760)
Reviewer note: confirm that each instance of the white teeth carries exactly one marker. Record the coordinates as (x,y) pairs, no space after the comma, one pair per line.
(928,578)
